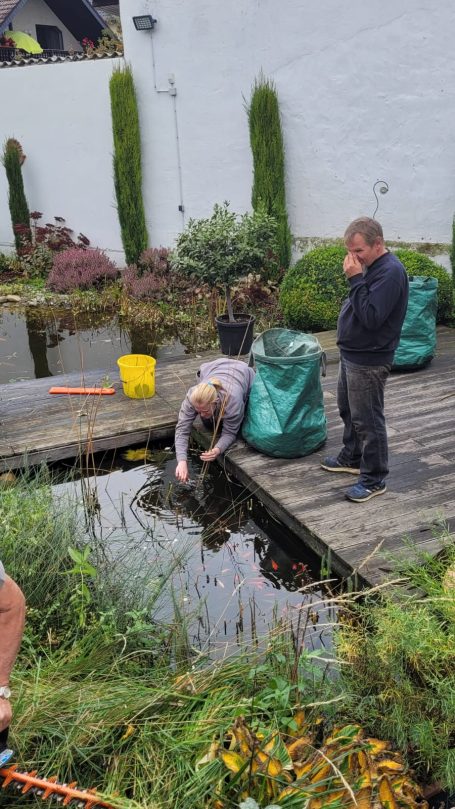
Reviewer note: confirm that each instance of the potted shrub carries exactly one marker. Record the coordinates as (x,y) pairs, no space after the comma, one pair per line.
(219,250)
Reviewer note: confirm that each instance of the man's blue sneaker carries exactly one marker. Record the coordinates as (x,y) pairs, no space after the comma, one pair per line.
(332,464)
(360,493)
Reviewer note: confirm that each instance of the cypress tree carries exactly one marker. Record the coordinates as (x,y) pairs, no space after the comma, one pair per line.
(12,160)
(127,164)
(452,252)
(266,141)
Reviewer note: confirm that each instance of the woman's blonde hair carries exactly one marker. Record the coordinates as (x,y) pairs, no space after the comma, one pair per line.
(206,392)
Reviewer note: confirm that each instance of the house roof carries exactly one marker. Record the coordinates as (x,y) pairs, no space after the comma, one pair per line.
(35,60)
(78,16)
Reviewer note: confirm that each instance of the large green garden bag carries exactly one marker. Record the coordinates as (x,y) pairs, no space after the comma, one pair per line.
(417,344)
(285,414)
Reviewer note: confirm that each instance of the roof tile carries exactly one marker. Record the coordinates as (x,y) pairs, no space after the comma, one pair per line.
(6,7)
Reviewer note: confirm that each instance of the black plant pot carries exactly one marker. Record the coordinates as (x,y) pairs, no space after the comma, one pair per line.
(235,338)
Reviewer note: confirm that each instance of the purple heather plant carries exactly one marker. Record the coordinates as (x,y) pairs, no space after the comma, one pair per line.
(80,268)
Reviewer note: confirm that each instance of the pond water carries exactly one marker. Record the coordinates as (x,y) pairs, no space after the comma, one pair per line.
(236,570)
(36,343)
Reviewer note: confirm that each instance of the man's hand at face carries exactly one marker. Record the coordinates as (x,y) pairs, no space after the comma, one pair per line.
(351,265)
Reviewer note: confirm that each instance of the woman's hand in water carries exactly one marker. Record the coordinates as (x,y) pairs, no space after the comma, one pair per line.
(181,473)
(210,454)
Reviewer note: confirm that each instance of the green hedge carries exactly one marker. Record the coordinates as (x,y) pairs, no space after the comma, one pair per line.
(314,288)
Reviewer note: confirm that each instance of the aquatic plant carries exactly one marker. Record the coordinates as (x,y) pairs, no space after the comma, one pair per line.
(117,700)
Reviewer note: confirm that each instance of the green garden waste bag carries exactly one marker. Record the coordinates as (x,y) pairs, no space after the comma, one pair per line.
(417,344)
(285,414)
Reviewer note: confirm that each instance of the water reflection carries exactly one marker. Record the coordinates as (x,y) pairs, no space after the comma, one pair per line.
(233,564)
(36,343)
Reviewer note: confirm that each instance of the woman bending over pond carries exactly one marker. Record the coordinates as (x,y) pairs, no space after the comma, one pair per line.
(220,399)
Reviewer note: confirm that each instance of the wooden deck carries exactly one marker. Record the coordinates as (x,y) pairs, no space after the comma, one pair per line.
(38,426)
(420,409)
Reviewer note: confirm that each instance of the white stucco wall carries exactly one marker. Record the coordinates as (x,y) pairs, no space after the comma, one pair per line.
(36,12)
(61,115)
(366,92)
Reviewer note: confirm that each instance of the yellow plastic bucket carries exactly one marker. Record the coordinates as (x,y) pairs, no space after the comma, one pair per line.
(137,372)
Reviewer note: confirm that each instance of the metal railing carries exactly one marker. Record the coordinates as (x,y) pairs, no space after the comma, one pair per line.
(9,54)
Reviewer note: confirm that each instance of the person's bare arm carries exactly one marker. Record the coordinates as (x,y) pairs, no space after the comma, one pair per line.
(12,614)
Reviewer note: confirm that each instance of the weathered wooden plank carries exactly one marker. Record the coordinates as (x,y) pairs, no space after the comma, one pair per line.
(41,426)
(420,417)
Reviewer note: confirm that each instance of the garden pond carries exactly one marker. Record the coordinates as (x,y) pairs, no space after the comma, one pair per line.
(39,343)
(235,570)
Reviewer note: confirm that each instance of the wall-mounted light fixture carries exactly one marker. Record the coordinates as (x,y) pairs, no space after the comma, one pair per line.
(144,23)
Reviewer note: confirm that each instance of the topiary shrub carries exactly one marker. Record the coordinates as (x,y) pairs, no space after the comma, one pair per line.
(419,264)
(80,269)
(314,288)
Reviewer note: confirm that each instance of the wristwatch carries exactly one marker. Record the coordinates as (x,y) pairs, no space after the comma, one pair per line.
(5,692)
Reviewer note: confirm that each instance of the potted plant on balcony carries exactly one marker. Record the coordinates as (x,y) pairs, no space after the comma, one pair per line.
(219,250)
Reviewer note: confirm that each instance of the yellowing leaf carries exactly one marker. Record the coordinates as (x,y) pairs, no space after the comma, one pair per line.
(346,734)
(274,767)
(128,732)
(363,761)
(301,768)
(210,756)
(317,803)
(328,799)
(268,748)
(364,780)
(376,746)
(386,795)
(233,761)
(389,765)
(288,791)
(363,798)
(299,718)
(299,749)
(322,773)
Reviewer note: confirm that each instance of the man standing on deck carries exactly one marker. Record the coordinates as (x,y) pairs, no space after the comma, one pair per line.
(368,333)
(12,612)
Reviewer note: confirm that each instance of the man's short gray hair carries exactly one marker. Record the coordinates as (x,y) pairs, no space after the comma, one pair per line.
(369,228)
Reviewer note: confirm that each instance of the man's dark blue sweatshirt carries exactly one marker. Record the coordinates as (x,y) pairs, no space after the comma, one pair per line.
(371,318)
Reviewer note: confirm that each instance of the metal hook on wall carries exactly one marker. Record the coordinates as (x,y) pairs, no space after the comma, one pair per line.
(383,188)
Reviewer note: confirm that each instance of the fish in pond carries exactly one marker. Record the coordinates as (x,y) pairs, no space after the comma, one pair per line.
(142,454)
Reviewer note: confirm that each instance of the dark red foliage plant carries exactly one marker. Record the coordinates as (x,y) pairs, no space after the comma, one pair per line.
(53,236)
(153,279)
